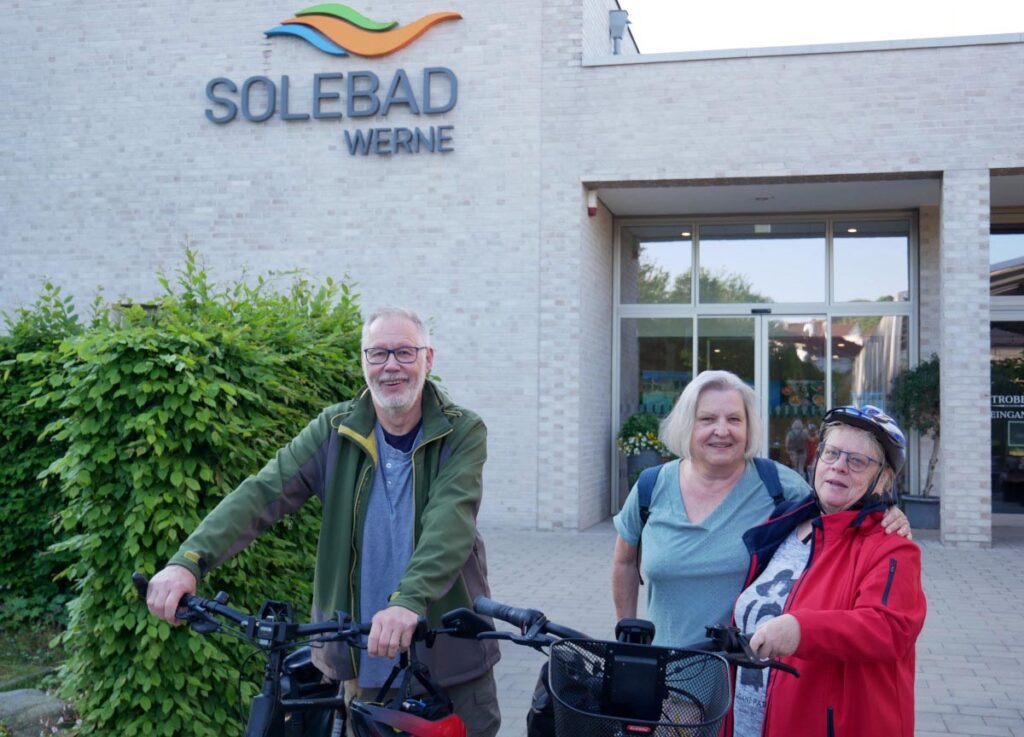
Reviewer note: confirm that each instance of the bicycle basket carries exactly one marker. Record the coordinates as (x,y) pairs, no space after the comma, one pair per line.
(605,689)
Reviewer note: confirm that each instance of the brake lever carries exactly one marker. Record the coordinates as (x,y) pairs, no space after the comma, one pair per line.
(736,647)
(200,622)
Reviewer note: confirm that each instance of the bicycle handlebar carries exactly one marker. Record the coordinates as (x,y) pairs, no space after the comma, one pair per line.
(533,624)
(197,612)
(537,632)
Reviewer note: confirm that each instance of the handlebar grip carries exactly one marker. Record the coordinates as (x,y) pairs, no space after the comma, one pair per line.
(141,584)
(522,618)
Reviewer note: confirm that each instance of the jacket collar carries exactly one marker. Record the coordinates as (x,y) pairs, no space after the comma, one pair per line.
(764,539)
(358,424)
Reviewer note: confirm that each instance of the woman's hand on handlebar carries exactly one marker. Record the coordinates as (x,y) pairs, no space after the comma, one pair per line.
(166,590)
(391,631)
(776,638)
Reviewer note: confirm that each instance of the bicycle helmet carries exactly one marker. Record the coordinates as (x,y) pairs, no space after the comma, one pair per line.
(394,719)
(876,422)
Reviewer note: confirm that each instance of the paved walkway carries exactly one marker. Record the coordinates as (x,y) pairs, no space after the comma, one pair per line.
(970,656)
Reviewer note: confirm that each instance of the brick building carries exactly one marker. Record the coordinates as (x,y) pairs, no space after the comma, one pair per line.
(819,217)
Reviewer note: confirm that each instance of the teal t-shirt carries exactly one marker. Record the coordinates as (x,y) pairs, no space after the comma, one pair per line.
(694,572)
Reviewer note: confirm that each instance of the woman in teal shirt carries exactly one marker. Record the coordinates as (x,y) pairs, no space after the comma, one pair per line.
(694,560)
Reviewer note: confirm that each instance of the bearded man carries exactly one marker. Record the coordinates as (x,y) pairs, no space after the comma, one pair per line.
(398,472)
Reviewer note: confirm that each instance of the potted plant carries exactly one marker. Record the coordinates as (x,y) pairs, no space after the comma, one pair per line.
(638,440)
(915,401)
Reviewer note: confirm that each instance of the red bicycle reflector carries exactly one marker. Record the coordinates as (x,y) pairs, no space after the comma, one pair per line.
(639,729)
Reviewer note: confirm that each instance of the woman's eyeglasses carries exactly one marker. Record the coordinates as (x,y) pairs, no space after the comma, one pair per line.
(856,462)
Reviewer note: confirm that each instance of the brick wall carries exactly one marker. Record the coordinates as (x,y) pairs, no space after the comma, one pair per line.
(963,298)
(109,165)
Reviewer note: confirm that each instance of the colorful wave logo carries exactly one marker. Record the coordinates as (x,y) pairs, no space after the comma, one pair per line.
(340,30)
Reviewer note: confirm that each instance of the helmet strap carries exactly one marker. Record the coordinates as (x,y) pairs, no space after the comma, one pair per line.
(860,502)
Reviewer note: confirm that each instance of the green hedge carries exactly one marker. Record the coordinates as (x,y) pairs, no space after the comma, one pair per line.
(28,591)
(163,411)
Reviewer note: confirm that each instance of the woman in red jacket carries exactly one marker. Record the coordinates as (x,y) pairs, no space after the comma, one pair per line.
(832,595)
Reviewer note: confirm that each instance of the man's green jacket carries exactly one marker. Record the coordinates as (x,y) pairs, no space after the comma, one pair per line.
(335,458)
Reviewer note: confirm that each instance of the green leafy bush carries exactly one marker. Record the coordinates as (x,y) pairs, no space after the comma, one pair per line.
(28,591)
(163,412)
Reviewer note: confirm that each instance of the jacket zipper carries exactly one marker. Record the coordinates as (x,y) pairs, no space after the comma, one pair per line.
(353,652)
(414,505)
(888,583)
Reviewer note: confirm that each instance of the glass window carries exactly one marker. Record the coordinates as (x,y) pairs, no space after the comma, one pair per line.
(796,389)
(656,364)
(1007,364)
(727,344)
(859,248)
(1006,261)
(762,262)
(657,265)
(867,353)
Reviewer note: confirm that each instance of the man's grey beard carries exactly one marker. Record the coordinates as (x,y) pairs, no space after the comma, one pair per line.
(397,402)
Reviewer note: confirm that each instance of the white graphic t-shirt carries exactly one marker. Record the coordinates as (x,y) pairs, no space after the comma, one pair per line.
(761,601)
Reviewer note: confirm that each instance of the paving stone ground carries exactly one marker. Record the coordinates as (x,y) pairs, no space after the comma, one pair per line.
(970,656)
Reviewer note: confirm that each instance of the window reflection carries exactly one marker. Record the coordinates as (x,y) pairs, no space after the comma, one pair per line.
(1006,260)
(1007,371)
(762,262)
(727,344)
(867,353)
(796,389)
(657,364)
(859,248)
(656,265)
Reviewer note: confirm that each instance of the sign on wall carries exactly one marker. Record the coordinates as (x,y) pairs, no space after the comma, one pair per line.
(341,31)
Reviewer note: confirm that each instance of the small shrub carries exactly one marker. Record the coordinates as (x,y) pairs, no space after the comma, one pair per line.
(162,414)
(28,354)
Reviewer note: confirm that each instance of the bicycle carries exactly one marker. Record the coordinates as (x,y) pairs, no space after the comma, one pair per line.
(295,701)
(626,687)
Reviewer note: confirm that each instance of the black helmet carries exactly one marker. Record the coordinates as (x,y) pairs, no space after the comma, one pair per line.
(876,422)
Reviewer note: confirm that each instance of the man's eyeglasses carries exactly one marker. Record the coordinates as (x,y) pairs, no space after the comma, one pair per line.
(854,461)
(405,354)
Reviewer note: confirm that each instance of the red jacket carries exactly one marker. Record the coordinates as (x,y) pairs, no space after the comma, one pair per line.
(860,607)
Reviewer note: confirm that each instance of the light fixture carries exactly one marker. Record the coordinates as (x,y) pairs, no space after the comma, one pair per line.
(716,350)
(685,234)
(835,355)
(851,230)
(617,22)
(840,345)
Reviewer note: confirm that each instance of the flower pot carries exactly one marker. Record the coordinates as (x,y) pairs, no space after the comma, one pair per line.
(922,512)
(639,461)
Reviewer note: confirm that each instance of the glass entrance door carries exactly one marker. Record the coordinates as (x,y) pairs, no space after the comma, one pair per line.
(783,359)
(794,397)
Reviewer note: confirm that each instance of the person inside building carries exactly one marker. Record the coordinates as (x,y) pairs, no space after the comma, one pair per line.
(693,557)
(833,596)
(398,471)
(796,447)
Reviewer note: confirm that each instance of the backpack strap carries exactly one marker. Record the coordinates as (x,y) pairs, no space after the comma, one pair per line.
(644,489)
(769,474)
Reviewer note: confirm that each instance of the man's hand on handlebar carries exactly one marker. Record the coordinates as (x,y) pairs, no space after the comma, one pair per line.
(165,591)
(391,631)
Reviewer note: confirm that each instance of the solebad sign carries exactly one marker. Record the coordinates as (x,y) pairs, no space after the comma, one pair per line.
(340,31)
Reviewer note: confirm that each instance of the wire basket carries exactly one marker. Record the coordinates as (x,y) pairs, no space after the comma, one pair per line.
(607,689)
